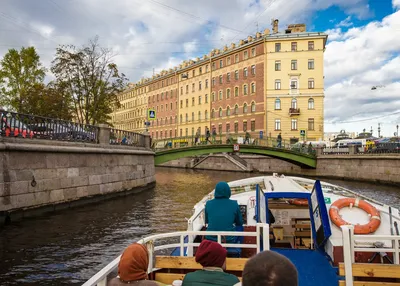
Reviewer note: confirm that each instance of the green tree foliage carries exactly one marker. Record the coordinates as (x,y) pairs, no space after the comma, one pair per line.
(91,78)
(49,101)
(19,72)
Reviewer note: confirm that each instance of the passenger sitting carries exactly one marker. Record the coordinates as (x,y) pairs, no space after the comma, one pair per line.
(223,214)
(269,268)
(133,267)
(212,256)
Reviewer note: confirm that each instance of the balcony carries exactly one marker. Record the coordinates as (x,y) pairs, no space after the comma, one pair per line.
(294,111)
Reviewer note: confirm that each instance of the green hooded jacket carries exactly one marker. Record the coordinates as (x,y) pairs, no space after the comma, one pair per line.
(204,277)
(222,213)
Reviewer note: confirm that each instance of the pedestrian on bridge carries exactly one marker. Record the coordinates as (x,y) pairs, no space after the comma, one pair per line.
(214,135)
(197,137)
(208,135)
(279,139)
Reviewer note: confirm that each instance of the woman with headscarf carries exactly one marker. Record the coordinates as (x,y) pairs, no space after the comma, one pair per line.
(132,267)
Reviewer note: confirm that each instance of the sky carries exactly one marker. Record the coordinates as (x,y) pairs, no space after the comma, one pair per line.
(147,36)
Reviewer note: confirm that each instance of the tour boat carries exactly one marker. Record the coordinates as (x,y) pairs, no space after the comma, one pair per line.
(333,235)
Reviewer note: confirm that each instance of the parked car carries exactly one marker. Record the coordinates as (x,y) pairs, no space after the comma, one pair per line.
(14,128)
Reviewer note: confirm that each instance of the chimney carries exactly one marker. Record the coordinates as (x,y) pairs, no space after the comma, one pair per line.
(266,32)
(275,26)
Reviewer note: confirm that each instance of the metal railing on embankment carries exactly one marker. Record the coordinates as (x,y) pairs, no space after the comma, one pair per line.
(26,126)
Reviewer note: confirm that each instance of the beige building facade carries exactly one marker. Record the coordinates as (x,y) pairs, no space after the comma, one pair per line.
(272,82)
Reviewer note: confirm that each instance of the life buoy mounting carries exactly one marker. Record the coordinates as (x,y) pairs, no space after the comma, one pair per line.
(373,213)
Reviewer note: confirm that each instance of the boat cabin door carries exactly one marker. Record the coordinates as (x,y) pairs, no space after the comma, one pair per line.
(319,216)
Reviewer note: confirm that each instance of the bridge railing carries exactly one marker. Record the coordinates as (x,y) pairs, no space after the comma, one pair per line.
(18,125)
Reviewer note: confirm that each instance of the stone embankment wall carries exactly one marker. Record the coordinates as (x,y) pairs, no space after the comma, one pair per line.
(36,173)
(371,168)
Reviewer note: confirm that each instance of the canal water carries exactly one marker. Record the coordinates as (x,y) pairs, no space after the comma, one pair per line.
(68,247)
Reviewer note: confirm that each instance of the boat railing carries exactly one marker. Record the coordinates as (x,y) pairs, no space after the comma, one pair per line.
(350,247)
(261,234)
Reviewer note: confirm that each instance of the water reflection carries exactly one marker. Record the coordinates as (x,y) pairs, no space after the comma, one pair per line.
(68,247)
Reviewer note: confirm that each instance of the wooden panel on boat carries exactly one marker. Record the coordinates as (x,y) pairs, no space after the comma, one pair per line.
(302,233)
(183,262)
(168,278)
(369,283)
(373,270)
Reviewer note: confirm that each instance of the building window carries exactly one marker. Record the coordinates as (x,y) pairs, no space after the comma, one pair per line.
(310,64)
(245,89)
(199,116)
(186,132)
(293,103)
(310,83)
(293,84)
(311,124)
(277,65)
(245,72)
(228,60)
(206,115)
(187,102)
(206,68)
(294,65)
(245,108)
(253,125)
(228,128)
(192,101)
(236,127)
(199,99)
(228,77)
(277,47)
(220,112)
(213,82)
(236,58)
(311,103)
(212,113)
(199,85)
(181,103)
(192,116)
(213,97)
(310,45)
(236,75)
(187,88)
(253,107)
(253,69)
(244,126)
(206,83)
(277,84)
(221,63)
(246,55)
(186,117)
(228,93)
(253,52)
(253,87)
(180,132)
(193,87)
(213,66)
(181,90)
(294,124)
(277,104)
(206,98)
(228,111)
(220,128)
(200,70)
(294,46)
(236,109)
(277,124)
(220,79)
(220,95)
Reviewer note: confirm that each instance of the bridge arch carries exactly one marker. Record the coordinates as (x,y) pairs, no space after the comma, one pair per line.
(299,159)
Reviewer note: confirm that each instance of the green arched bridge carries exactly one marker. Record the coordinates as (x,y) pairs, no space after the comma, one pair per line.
(295,157)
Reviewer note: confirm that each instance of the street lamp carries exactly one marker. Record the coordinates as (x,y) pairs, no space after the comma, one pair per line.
(397,133)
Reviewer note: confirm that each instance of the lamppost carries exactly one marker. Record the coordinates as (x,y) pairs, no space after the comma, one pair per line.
(397,133)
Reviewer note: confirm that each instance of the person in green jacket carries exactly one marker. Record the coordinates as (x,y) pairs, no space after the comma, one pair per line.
(212,256)
(223,214)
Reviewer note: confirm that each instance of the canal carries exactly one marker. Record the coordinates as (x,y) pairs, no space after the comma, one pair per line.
(68,247)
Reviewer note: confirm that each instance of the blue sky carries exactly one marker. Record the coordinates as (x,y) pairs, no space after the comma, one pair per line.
(362,51)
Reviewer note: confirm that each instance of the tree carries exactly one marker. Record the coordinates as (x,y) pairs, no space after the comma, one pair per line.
(91,78)
(19,71)
(49,101)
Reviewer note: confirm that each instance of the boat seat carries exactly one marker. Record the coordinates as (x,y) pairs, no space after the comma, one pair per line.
(372,274)
(175,267)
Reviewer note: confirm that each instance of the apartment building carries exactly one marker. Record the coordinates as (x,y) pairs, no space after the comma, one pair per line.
(272,82)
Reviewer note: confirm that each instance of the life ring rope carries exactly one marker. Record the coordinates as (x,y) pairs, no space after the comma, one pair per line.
(373,213)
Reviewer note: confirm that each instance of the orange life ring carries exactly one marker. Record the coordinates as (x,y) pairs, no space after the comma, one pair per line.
(299,202)
(375,217)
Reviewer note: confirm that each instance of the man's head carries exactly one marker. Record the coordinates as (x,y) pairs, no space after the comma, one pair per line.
(211,254)
(269,268)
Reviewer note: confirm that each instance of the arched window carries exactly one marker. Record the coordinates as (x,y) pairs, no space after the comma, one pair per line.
(170,120)
(228,111)
(253,107)
(311,103)
(220,112)
(245,72)
(253,87)
(228,93)
(294,103)
(212,113)
(220,95)
(213,96)
(277,104)
(245,108)
(236,109)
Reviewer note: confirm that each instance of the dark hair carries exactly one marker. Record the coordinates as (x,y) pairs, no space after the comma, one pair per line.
(269,268)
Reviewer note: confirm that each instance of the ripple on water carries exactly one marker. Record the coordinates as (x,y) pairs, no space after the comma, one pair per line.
(68,247)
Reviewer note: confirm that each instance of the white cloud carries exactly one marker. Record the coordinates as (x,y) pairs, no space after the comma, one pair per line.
(345,23)
(396,4)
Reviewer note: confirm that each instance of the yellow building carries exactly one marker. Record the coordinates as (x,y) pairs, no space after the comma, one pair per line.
(271,82)
(295,83)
